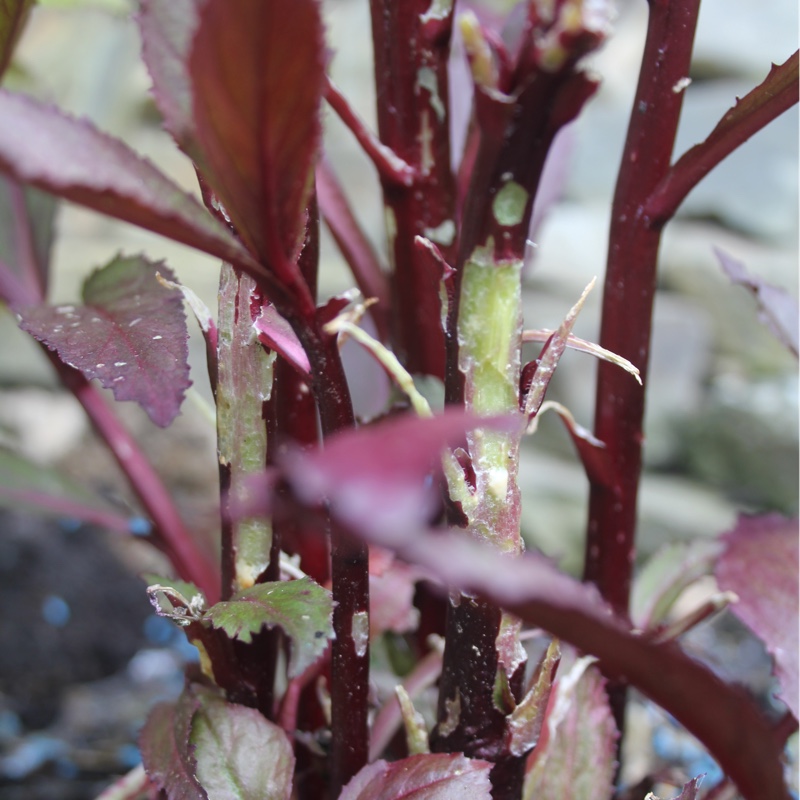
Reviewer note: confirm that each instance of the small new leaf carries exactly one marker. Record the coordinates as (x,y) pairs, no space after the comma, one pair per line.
(525,721)
(302,609)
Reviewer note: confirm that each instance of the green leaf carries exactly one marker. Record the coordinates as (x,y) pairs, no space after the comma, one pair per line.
(301,608)
(240,755)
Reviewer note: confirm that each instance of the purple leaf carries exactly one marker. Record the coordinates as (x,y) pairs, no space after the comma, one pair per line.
(167,753)
(301,608)
(444,776)
(276,333)
(167,29)
(575,759)
(258,81)
(778,310)
(70,158)
(130,335)
(760,564)
(240,754)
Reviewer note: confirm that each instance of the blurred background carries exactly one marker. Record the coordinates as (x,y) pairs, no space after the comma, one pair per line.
(722,423)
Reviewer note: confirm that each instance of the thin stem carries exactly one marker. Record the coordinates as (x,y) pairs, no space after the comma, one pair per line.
(189,561)
(32,284)
(389,165)
(354,245)
(350,578)
(749,115)
(628,301)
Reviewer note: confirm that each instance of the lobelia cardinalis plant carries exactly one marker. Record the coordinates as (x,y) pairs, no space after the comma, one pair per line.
(336,532)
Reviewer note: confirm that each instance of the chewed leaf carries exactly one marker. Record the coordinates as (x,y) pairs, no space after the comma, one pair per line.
(301,608)
(240,754)
(131,335)
(70,158)
(443,776)
(575,760)
(778,310)
(760,565)
(167,754)
(257,84)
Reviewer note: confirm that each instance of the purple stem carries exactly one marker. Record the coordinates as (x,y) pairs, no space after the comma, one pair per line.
(354,245)
(777,93)
(411,42)
(350,579)
(189,561)
(628,301)
(390,166)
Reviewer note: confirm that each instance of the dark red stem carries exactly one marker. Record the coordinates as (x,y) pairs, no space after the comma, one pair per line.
(749,115)
(389,165)
(350,578)
(628,300)
(411,50)
(349,561)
